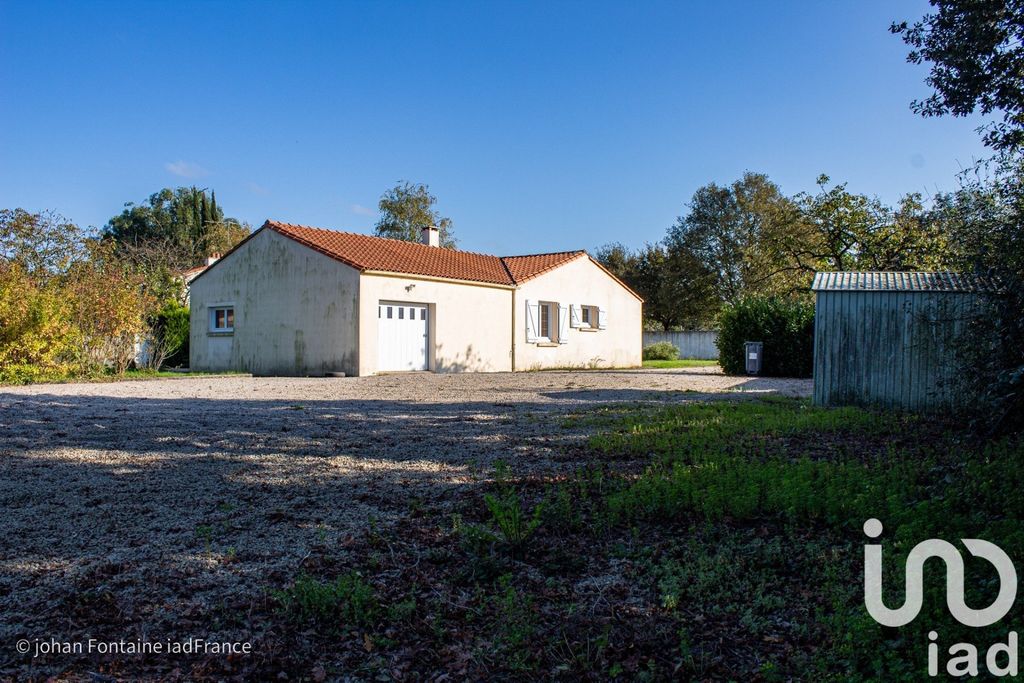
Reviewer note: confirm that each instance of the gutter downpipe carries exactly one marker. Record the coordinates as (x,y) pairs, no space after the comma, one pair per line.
(513,364)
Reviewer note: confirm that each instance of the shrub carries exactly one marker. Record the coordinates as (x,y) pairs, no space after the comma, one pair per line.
(171,333)
(785,326)
(661,351)
(36,340)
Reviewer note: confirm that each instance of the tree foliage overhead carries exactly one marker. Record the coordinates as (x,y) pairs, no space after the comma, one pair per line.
(749,239)
(976,52)
(178,227)
(669,286)
(40,243)
(847,231)
(732,233)
(406,209)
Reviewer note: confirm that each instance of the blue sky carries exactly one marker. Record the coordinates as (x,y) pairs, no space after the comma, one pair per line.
(540,127)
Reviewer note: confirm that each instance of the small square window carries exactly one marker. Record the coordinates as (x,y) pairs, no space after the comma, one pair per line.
(222,319)
(589,317)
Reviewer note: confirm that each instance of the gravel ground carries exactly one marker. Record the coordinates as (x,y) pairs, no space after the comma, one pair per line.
(164,497)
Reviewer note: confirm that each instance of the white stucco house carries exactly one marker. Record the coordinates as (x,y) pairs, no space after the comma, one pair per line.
(295,300)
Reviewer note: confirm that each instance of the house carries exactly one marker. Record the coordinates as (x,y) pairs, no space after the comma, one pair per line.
(890,338)
(186,277)
(295,300)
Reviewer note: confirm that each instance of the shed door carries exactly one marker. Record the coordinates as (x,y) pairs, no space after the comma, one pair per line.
(402,333)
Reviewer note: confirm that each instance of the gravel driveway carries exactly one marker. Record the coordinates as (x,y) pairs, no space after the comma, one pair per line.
(169,496)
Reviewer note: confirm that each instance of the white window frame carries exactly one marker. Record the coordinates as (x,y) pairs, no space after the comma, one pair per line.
(212,318)
(589,316)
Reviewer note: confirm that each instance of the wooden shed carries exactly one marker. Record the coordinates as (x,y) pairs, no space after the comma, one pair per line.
(889,338)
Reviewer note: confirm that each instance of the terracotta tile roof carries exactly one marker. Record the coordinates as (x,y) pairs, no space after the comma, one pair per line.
(523,268)
(397,256)
(365,252)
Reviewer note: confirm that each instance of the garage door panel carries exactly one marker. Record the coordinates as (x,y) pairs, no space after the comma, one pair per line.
(402,334)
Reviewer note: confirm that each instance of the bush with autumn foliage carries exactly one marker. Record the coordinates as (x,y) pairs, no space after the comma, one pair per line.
(69,307)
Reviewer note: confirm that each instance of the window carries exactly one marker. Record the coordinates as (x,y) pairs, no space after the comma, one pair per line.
(548,320)
(589,316)
(222,319)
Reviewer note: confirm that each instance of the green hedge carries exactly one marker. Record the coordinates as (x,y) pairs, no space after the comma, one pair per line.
(172,329)
(661,351)
(785,326)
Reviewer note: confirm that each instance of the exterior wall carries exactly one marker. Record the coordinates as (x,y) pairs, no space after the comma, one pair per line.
(891,349)
(580,282)
(295,311)
(470,325)
(699,344)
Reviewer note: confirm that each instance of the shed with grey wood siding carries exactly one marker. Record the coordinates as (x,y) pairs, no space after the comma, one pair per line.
(889,338)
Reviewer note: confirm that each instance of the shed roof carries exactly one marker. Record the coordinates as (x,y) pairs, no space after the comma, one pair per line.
(892,281)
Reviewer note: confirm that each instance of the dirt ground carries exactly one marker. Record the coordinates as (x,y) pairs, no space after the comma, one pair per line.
(157,499)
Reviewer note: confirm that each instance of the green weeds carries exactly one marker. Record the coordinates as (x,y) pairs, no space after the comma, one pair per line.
(347,601)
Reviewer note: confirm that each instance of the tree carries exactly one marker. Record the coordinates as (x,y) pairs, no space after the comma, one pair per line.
(676,287)
(908,239)
(984,221)
(733,241)
(847,231)
(110,308)
(618,259)
(175,229)
(976,51)
(841,224)
(406,209)
(671,286)
(43,244)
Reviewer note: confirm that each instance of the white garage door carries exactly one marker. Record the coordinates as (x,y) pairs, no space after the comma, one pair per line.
(402,333)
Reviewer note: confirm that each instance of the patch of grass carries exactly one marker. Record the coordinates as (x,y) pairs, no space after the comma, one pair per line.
(805,490)
(704,432)
(810,477)
(345,602)
(128,376)
(515,625)
(170,374)
(680,363)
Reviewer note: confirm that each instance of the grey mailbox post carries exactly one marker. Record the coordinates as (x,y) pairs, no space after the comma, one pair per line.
(753,351)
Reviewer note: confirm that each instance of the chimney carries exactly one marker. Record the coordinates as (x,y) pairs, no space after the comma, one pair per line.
(211,259)
(430,236)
